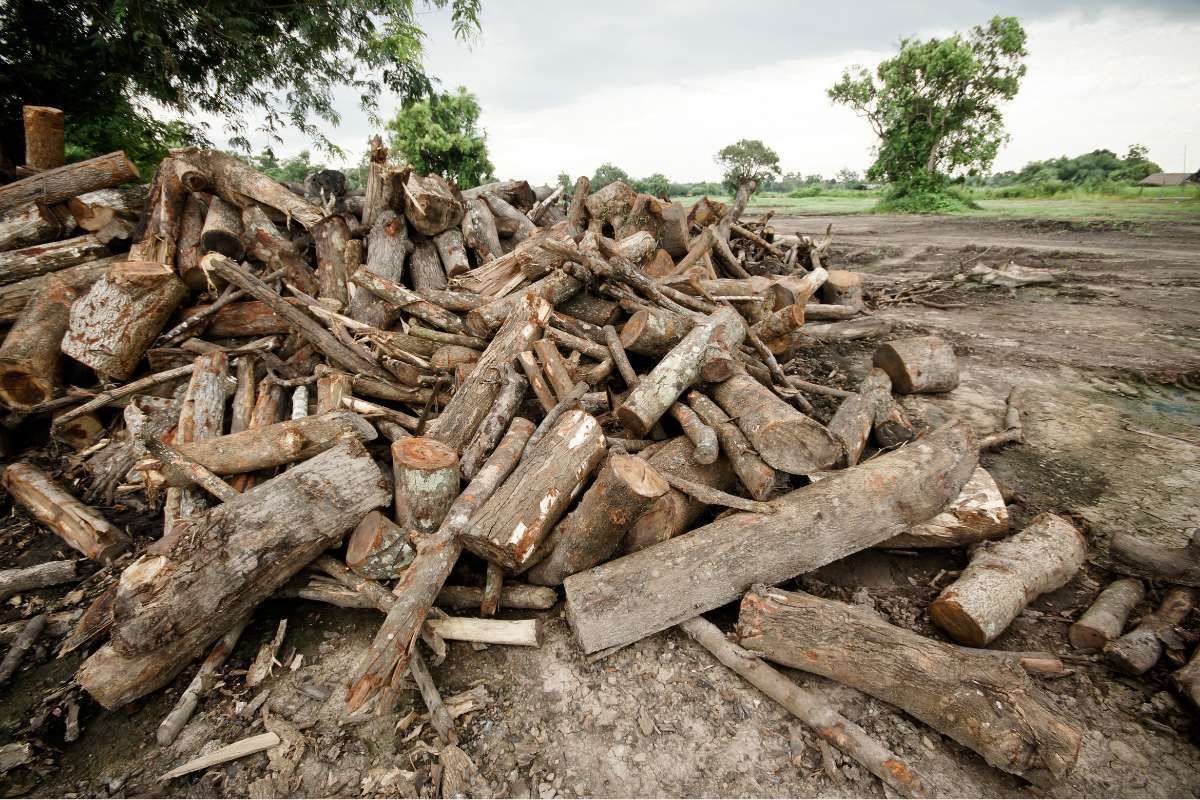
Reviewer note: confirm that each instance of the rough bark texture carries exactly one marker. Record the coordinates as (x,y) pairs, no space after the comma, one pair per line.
(1139,650)
(95,210)
(756,475)
(653,332)
(58,184)
(976,515)
(452,252)
(1004,577)
(31,224)
(30,358)
(387,249)
(379,548)
(222,232)
(29,262)
(426,267)
(1187,680)
(15,296)
(651,590)
(45,146)
(276,444)
(1105,618)
(265,243)
(52,573)
(512,595)
(241,184)
(426,481)
(920,364)
(508,400)
(201,685)
(986,704)
(76,524)
(331,237)
(431,204)
(554,289)
(843,288)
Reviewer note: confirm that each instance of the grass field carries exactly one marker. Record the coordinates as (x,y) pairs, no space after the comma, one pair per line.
(1154,204)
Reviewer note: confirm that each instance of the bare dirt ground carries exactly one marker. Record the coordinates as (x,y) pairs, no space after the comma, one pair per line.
(1111,359)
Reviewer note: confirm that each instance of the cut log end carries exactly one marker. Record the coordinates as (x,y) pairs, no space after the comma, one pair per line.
(424,454)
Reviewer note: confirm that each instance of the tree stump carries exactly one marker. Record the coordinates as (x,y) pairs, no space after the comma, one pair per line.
(426,480)
(924,364)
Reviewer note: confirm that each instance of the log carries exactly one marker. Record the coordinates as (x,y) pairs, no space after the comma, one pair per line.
(454,300)
(843,288)
(786,439)
(56,185)
(59,623)
(203,683)
(557,373)
(30,262)
(810,708)
(515,632)
(591,309)
(1139,650)
(20,646)
(517,193)
(113,325)
(265,243)
(1133,556)
(920,364)
(624,600)
(577,212)
(426,480)
(431,205)
(1002,578)
(15,296)
(78,525)
(190,588)
(387,248)
(1105,618)
(493,583)
(187,247)
(332,388)
(453,252)
(976,515)
(222,232)
(491,429)
(1186,680)
(983,703)
(52,573)
(239,183)
(554,288)
(447,357)
(158,234)
(335,263)
(251,318)
(393,298)
(31,358)
(520,514)
(201,418)
(891,426)
(625,487)
(426,269)
(461,417)
(32,224)
(276,444)
(512,595)
(679,370)
(848,331)
(379,548)
(776,328)
(607,207)
(511,223)
(423,580)
(376,195)
(653,332)
(755,475)
(439,717)
(479,232)
(169,467)
(700,434)
(45,145)
(95,210)
(851,427)
(822,312)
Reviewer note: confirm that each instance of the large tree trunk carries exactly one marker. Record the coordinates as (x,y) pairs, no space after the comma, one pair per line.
(387,249)
(431,204)
(45,143)
(114,324)
(651,590)
(427,271)
(194,585)
(31,358)
(331,236)
(76,524)
(242,185)
(159,232)
(58,184)
(981,702)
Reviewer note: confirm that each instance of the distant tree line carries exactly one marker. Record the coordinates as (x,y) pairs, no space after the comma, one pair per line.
(1089,169)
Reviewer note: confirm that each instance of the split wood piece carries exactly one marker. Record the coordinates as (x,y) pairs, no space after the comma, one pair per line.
(554,288)
(1105,618)
(139,386)
(276,444)
(60,623)
(919,364)
(423,580)
(391,292)
(32,224)
(851,427)
(426,481)
(512,595)
(624,600)
(304,325)
(461,417)
(625,487)
(113,325)
(181,472)
(375,191)
(335,263)
(431,204)
(491,429)
(1004,577)
(554,367)
(1012,432)
(1139,650)
(479,232)
(843,288)
(203,683)
(533,373)
(20,646)
(978,514)
(678,370)
(52,573)
(776,328)
(786,439)
(201,418)
(492,586)
(653,332)
(45,145)
(268,409)
(159,232)
(983,703)
(187,245)
(61,183)
(700,434)
(387,249)
(519,516)
(577,212)
(76,524)
(332,388)
(511,223)
(439,717)
(266,657)
(95,210)
(31,358)
(241,184)
(426,269)
(514,632)
(242,407)
(810,708)
(1134,556)
(1186,680)
(230,752)
(452,252)
(675,512)
(222,232)
(266,535)
(756,475)
(265,243)
(41,259)
(379,548)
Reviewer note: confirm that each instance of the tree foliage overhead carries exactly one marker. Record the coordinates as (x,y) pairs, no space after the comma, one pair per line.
(747,159)
(441,134)
(106,62)
(936,104)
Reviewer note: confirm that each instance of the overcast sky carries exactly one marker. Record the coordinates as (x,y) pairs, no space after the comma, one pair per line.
(661,85)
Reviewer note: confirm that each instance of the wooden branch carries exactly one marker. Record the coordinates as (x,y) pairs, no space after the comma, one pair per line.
(30,358)
(442,722)
(22,579)
(515,632)
(265,243)
(512,595)
(715,497)
(1105,618)
(20,646)
(178,470)
(1139,650)
(1134,556)
(121,392)
(80,526)
(755,474)
(200,686)
(508,400)
(276,444)
(240,184)
(55,185)
(577,211)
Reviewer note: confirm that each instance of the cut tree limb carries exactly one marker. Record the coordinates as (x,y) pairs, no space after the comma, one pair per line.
(41,259)
(76,524)
(426,481)
(1170,564)
(977,514)
(755,474)
(31,358)
(387,249)
(1105,618)
(45,145)
(20,646)
(276,444)
(61,183)
(1139,650)
(920,364)
(379,548)
(200,686)
(52,573)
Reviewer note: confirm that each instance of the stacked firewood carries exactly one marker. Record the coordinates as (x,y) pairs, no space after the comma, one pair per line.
(331,396)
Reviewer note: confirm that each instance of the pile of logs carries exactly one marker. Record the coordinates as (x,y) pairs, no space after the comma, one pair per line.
(351,398)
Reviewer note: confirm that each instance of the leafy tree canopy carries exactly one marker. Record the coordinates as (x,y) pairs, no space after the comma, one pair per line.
(441,135)
(936,105)
(747,159)
(106,62)
(656,184)
(605,174)
(1088,169)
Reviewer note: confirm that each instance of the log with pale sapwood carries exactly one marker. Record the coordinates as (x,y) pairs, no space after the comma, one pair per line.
(266,243)
(843,288)
(919,364)
(431,205)
(758,477)
(22,579)
(30,262)
(1139,650)
(222,231)
(452,252)
(499,417)
(95,210)
(1106,617)
(80,526)
(33,224)
(653,332)
(976,515)
(387,249)
(426,268)
(556,287)
(31,358)
(511,222)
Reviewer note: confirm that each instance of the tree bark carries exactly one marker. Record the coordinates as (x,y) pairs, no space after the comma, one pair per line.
(843,288)
(78,525)
(376,194)
(265,243)
(30,262)
(920,364)
(981,702)
(113,325)
(624,600)
(1139,650)
(1187,679)
(755,475)
(427,271)
(242,185)
(56,185)
(653,332)
(387,249)
(510,222)
(45,145)
(379,548)
(517,193)
(187,247)
(30,358)
(426,480)
(1105,618)
(158,234)
(200,686)
(776,328)
(976,515)
(431,205)
(1003,578)
(554,289)
(222,232)
(52,573)
(1170,564)
(95,210)
(15,296)
(492,427)
(479,232)
(394,297)
(591,309)
(625,487)
(512,595)
(824,312)
(20,646)
(452,252)
(32,224)
(577,212)
(555,368)
(331,236)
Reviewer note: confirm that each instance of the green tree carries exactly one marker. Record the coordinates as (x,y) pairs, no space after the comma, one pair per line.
(747,159)
(935,106)
(657,185)
(296,168)
(442,135)
(607,173)
(106,62)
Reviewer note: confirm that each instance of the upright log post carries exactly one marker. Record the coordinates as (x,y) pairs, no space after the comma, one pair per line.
(45,137)
(426,480)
